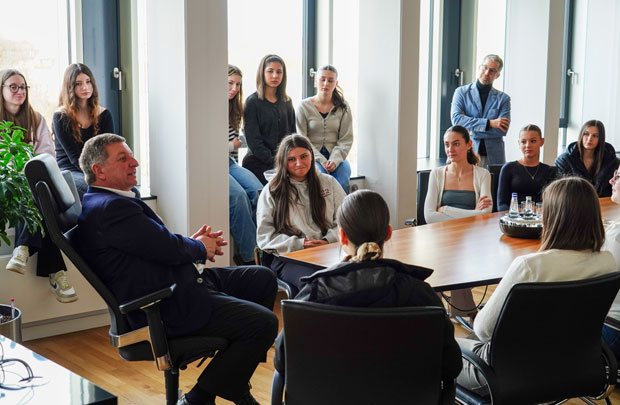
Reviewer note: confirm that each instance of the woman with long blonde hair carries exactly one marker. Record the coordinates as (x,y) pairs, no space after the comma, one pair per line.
(570,249)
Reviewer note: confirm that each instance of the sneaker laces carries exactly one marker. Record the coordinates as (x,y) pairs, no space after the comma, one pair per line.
(62,280)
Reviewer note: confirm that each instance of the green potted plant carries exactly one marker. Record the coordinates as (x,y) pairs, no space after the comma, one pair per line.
(16,201)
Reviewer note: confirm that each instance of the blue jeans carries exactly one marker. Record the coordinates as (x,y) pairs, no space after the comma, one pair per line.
(611,337)
(342,172)
(242,199)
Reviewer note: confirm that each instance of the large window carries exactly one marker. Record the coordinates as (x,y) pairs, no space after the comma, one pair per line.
(34,40)
(257,28)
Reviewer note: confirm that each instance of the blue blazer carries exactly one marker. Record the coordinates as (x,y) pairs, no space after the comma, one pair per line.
(134,254)
(467,111)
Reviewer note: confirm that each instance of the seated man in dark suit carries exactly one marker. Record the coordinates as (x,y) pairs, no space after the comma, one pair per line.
(135,254)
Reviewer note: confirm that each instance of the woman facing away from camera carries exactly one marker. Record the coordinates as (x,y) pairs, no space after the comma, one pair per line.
(15,107)
(528,175)
(570,250)
(326,120)
(79,117)
(269,116)
(296,209)
(590,158)
(365,279)
(611,335)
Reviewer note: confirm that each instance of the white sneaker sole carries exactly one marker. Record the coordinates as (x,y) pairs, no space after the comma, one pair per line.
(16,267)
(64,300)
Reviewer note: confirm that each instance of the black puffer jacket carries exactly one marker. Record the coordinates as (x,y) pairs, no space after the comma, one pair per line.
(376,284)
(569,163)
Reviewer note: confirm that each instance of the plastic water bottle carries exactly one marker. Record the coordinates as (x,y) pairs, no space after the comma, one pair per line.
(514,206)
(528,212)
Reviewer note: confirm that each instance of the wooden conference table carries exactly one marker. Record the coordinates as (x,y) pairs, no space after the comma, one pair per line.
(466,252)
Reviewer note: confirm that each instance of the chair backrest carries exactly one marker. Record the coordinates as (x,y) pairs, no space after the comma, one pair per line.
(423,176)
(551,333)
(494,170)
(338,355)
(58,200)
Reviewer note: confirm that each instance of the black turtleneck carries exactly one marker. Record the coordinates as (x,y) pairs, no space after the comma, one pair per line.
(484,90)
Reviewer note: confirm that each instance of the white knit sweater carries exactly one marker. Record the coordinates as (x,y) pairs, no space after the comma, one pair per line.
(300,215)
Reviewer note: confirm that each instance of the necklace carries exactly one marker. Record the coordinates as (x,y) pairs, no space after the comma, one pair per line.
(530,174)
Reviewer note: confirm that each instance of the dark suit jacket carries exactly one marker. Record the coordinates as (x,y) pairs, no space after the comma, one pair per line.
(134,254)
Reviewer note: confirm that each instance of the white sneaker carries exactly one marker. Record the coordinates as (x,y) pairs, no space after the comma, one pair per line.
(61,287)
(19,260)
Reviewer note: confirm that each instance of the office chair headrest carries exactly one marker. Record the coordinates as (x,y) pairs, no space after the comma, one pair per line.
(44,168)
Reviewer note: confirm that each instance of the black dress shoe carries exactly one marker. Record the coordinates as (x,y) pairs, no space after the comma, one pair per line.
(246,399)
(184,401)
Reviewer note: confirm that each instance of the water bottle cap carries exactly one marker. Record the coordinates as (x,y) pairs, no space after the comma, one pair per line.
(514,194)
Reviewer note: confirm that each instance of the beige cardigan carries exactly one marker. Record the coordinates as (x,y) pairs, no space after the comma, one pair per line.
(335,131)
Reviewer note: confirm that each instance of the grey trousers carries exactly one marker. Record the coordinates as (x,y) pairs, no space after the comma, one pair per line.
(469,377)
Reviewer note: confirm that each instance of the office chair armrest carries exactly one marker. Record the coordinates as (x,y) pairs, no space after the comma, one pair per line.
(146,300)
(612,323)
(481,366)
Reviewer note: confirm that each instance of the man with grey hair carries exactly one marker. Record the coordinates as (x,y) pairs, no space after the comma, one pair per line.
(134,254)
(484,111)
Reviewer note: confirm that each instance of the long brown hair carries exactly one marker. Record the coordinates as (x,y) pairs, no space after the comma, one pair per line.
(337,95)
(26,117)
(364,216)
(599,152)
(69,103)
(284,193)
(260,77)
(472,157)
(235,105)
(571,216)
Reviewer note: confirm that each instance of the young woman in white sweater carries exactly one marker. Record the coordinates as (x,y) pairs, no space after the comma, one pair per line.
(458,190)
(297,208)
(570,249)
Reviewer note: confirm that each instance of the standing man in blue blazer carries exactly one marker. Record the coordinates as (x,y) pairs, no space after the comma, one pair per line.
(484,111)
(134,254)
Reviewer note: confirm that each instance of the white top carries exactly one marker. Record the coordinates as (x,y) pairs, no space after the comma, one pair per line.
(482,186)
(44,139)
(300,215)
(547,266)
(612,244)
(335,131)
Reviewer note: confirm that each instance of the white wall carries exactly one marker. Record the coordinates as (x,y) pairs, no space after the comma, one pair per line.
(532,71)
(596,57)
(387,112)
(187,67)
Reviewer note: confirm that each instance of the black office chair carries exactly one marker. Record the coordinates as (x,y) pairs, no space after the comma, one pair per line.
(344,355)
(423,176)
(562,357)
(58,200)
(494,170)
